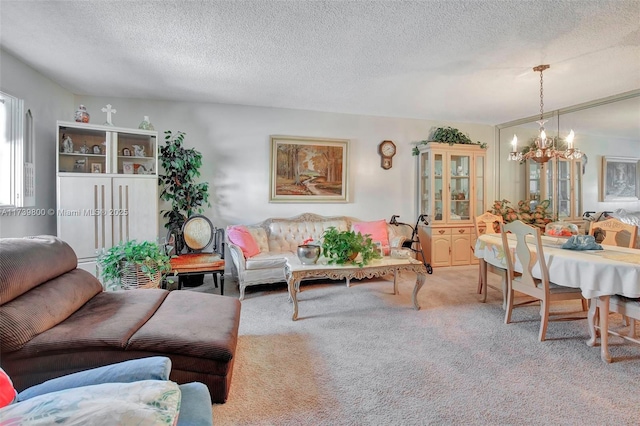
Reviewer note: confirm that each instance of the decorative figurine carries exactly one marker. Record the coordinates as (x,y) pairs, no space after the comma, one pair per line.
(109,111)
(67,144)
(138,151)
(81,115)
(146,124)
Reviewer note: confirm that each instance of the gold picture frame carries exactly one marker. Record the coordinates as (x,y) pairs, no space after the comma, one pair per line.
(96,167)
(309,170)
(620,179)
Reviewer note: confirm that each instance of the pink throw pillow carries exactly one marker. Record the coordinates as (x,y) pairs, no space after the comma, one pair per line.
(7,392)
(240,236)
(377,230)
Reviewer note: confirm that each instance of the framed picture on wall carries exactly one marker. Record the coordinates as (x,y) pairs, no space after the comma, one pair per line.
(307,170)
(619,179)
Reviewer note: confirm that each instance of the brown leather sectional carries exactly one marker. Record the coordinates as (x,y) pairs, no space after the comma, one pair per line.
(56,319)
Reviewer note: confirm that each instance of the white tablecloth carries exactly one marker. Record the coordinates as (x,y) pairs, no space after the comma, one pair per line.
(614,270)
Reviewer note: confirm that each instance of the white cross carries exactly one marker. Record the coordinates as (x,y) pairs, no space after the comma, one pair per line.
(109,111)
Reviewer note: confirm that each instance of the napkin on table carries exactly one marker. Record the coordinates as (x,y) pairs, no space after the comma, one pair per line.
(581,242)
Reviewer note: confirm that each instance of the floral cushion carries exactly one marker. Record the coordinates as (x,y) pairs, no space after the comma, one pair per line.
(146,402)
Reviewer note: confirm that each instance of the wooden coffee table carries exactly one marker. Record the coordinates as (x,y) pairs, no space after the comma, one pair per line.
(296,272)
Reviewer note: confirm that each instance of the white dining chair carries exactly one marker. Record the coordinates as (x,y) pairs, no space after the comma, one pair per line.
(542,289)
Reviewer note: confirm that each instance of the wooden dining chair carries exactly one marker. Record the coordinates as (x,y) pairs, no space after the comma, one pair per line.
(616,233)
(488,223)
(620,234)
(541,289)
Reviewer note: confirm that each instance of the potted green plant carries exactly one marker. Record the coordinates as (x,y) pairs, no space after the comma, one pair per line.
(340,247)
(133,264)
(448,135)
(179,187)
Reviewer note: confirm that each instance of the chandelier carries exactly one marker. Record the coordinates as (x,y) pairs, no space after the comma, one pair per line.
(544,148)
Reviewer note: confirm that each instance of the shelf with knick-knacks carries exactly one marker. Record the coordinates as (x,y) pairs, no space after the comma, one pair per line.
(88,148)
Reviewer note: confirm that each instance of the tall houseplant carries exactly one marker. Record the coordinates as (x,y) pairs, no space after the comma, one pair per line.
(179,187)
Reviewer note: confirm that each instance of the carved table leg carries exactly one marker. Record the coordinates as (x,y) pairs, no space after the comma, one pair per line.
(293,295)
(420,279)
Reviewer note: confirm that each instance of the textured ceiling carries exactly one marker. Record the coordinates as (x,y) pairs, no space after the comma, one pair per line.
(444,60)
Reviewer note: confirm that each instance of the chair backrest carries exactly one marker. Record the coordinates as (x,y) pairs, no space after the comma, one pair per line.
(617,233)
(488,220)
(197,233)
(218,243)
(523,253)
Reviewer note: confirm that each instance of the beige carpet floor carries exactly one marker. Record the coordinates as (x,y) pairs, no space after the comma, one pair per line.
(362,356)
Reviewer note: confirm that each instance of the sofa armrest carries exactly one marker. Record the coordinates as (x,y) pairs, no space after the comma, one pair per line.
(237,256)
(152,368)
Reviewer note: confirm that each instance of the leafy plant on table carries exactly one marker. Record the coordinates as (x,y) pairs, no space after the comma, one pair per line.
(113,262)
(341,247)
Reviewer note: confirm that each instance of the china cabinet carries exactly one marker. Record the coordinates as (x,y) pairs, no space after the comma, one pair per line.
(107,187)
(559,181)
(451,191)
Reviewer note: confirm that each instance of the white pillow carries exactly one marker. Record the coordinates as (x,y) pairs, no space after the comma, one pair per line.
(147,402)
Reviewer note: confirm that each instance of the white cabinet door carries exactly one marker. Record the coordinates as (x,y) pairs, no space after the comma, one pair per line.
(83,220)
(135,209)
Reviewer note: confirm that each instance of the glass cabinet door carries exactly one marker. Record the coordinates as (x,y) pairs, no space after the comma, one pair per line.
(459,182)
(81,150)
(577,189)
(479,185)
(438,187)
(564,189)
(135,153)
(425,192)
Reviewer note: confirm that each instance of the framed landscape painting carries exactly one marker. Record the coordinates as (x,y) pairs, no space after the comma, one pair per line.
(308,170)
(619,179)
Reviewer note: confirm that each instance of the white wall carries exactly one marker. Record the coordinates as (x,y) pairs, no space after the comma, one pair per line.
(234,141)
(47,102)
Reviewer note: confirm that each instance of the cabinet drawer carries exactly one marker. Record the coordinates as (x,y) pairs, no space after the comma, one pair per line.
(440,231)
(461,231)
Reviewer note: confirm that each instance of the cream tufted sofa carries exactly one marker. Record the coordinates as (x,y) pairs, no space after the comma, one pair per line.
(278,239)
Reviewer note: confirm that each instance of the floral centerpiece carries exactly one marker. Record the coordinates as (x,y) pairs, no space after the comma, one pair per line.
(538,216)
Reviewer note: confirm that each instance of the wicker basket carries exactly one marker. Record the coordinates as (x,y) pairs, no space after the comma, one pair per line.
(133,278)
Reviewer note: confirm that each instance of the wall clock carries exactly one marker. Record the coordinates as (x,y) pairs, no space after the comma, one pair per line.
(387,150)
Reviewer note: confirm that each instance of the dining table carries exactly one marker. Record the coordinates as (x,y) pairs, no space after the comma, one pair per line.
(598,273)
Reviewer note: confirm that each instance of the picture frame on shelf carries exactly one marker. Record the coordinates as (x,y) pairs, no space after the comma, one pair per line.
(96,149)
(620,179)
(126,152)
(96,167)
(80,165)
(307,170)
(127,167)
